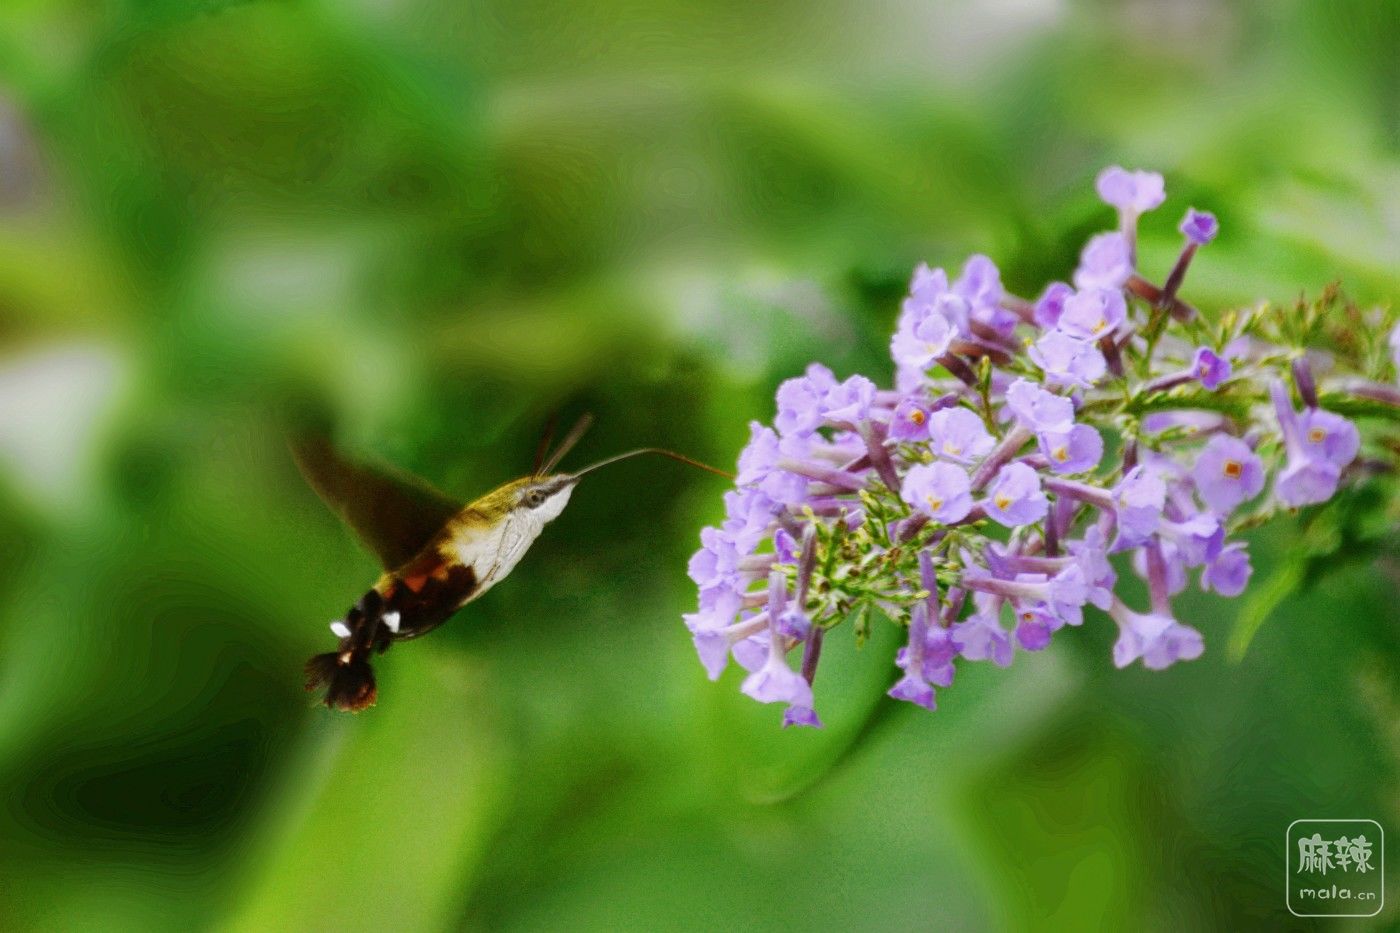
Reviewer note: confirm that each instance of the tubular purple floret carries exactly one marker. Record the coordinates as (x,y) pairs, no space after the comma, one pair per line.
(811,653)
(1177,275)
(952,606)
(1015,439)
(838,478)
(929,579)
(1371,391)
(1287,417)
(806,563)
(874,436)
(1170,381)
(1303,380)
(955,365)
(1027,590)
(1080,492)
(1180,311)
(1157,578)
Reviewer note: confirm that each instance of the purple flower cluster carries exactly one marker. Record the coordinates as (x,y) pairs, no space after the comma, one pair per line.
(973,503)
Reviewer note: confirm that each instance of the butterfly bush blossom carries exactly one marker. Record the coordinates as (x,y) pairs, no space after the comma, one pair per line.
(1028,453)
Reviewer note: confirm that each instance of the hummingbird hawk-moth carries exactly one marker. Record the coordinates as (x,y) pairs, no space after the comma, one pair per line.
(438,554)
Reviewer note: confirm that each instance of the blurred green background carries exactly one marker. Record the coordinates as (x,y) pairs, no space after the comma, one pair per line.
(449,219)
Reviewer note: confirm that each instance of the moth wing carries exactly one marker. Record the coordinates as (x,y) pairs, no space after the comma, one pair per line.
(394,514)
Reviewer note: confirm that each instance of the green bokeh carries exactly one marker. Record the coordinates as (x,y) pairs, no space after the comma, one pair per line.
(449,219)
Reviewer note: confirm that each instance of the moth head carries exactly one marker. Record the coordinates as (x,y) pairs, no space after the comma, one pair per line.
(544,497)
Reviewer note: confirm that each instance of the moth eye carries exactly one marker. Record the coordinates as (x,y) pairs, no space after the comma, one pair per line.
(533,498)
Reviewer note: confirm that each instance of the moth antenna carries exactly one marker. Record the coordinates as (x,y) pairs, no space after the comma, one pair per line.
(546,438)
(659,451)
(576,433)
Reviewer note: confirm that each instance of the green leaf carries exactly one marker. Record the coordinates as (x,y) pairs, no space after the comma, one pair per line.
(399,801)
(1177,400)
(1353,407)
(1262,600)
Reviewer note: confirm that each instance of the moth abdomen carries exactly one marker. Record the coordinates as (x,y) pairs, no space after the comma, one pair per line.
(399,607)
(424,599)
(346,674)
(347,677)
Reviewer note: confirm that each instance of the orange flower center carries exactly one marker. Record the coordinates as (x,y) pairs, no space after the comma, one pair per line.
(917,416)
(1316,435)
(1233,469)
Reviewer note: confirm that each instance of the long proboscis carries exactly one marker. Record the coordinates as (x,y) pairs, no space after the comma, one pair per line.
(659,451)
